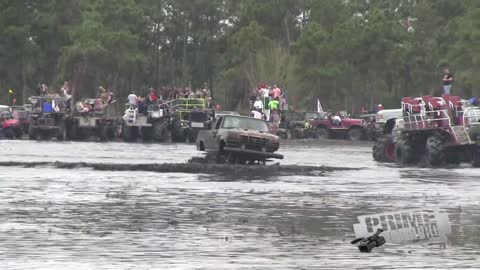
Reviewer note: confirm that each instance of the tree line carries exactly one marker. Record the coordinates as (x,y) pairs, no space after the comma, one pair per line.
(348,53)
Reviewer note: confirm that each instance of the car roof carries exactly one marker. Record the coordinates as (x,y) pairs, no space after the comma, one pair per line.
(240,116)
(227,113)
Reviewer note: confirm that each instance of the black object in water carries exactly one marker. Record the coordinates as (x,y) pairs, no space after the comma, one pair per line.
(366,244)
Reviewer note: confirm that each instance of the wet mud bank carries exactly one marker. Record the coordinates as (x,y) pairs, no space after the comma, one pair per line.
(190,168)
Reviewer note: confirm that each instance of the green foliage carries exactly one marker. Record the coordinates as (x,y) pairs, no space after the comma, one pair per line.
(347,53)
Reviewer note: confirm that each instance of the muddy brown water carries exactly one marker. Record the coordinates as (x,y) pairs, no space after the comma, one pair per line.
(81,218)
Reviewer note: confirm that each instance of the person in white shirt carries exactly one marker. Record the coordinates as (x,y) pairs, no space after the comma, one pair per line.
(257,115)
(337,120)
(265,92)
(258,104)
(132,100)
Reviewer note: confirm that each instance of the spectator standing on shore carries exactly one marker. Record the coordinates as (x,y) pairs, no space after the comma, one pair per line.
(447,81)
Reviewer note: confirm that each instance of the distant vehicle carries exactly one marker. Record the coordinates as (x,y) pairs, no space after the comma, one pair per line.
(348,128)
(21,114)
(298,125)
(438,130)
(11,127)
(190,116)
(385,120)
(100,123)
(239,139)
(223,113)
(48,118)
(152,125)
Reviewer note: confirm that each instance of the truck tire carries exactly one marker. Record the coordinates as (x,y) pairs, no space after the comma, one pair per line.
(44,135)
(147,134)
(129,134)
(18,133)
(32,133)
(476,157)
(435,154)
(106,133)
(62,131)
(323,133)
(405,152)
(384,150)
(76,133)
(355,134)
(160,132)
(177,132)
(9,133)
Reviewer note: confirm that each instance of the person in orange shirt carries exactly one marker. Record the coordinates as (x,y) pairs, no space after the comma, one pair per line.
(276,92)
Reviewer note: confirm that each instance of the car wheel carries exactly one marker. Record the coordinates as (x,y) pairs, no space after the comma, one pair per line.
(323,133)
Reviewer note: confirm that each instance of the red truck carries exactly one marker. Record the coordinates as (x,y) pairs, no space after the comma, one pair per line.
(344,128)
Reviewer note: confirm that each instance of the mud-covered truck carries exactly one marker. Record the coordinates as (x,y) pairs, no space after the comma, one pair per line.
(48,118)
(239,139)
(190,116)
(100,122)
(10,127)
(436,130)
(298,125)
(150,125)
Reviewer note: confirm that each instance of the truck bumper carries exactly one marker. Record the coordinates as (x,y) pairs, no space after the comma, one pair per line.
(253,153)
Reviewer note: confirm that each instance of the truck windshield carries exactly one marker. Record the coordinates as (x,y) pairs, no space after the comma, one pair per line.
(245,123)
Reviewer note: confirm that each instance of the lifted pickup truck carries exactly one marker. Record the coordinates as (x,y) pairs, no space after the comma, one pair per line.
(239,139)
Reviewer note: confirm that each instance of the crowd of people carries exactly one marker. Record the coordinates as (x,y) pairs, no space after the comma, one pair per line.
(267,102)
(105,97)
(167,93)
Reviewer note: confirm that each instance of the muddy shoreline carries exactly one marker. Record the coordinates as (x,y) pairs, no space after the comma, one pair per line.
(190,168)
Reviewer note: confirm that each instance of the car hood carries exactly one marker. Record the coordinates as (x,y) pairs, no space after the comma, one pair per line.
(256,133)
(353,121)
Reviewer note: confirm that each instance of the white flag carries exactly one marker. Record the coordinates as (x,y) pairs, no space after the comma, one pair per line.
(319,106)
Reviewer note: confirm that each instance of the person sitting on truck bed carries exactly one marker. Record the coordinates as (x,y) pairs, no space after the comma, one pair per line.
(111,97)
(337,120)
(256,114)
(84,107)
(152,96)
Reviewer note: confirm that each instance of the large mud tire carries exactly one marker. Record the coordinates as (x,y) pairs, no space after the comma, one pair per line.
(312,133)
(384,150)
(147,134)
(405,152)
(44,135)
(435,153)
(129,134)
(18,133)
(476,157)
(356,134)
(62,131)
(323,133)
(107,132)
(32,133)
(283,134)
(177,132)
(160,132)
(9,133)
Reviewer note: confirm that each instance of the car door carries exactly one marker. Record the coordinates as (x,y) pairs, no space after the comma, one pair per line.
(211,143)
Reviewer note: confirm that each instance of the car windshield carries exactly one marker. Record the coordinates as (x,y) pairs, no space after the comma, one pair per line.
(312,115)
(245,123)
(227,113)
